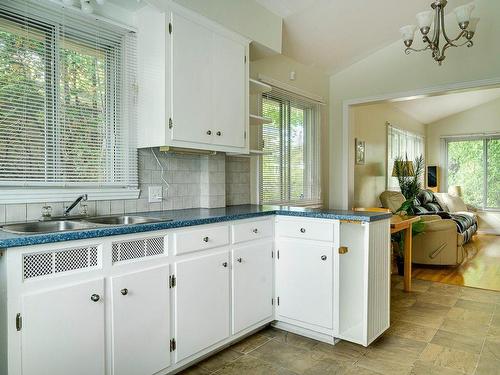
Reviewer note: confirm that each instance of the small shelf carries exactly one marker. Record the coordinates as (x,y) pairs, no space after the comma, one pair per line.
(259,120)
(257,87)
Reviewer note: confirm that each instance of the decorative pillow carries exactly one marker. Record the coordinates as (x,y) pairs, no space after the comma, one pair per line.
(455,204)
(441,199)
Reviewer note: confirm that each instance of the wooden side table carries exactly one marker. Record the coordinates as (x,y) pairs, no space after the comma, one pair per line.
(404,223)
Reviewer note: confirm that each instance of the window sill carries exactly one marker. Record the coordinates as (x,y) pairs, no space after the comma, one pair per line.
(23,195)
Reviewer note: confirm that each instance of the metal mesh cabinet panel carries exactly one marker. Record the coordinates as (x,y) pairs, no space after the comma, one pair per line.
(136,249)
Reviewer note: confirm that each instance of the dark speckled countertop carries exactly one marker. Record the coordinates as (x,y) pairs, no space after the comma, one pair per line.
(186,218)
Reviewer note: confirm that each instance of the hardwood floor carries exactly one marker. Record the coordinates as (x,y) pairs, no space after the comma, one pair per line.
(481,269)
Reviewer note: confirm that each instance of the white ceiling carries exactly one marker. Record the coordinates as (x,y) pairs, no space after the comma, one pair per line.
(434,108)
(333,34)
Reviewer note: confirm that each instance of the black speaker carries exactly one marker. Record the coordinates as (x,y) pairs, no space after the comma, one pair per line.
(432,177)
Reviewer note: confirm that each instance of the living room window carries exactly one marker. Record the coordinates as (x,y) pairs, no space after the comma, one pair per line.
(290,164)
(400,144)
(474,164)
(66,100)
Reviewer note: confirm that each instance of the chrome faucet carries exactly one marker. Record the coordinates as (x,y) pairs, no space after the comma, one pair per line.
(68,209)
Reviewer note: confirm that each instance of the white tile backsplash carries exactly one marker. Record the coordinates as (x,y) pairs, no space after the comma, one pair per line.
(193,181)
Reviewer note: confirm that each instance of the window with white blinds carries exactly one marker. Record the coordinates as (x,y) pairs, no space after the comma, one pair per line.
(67,99)
(290,164)
(401,143)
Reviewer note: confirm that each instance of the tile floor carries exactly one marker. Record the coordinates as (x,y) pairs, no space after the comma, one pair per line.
(438,329)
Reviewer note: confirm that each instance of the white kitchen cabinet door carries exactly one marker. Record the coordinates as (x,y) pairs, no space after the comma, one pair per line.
(304,271)
(201,302)
(141,321)
(229,97)
(252,284)
(192,101)
(63,330)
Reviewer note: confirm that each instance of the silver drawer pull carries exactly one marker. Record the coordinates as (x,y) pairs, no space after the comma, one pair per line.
(323,257)
(255,230)
(124,291)
(224,264)
(95,297)
(205,239)
(240,260)
(302,230)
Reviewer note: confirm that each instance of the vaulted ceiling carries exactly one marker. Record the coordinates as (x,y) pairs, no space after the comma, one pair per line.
(333,34)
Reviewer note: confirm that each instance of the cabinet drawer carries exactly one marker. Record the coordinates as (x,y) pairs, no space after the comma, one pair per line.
(310,229)
(252,230)
(201,239)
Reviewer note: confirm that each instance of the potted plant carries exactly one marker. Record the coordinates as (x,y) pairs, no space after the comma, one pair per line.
(409,175)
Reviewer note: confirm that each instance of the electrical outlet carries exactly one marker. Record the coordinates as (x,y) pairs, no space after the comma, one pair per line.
(155,194)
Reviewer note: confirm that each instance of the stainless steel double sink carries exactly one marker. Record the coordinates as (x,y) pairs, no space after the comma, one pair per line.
(70,224)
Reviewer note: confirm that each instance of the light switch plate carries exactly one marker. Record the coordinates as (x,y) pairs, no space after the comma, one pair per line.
(155,194)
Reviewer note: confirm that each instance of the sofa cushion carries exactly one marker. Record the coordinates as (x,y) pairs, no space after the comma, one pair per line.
(441,199)
(455,204)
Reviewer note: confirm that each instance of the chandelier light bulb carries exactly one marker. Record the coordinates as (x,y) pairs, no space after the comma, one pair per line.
(424,20)
(408,32)
(463,14)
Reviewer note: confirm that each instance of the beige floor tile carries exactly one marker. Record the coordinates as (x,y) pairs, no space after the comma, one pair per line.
(441,356)
(412,331)
(422,368)
(394,348)
(416,285)
(343,351)
(250,343)
(488,365)
(218,360)
(458,313)
(383,366)
(194,370)
(495,320)
(472,344)
(467,328)
(475,305)
(249,365)
(445,289)
(427,319)
(299,341)
(437,298)
(492,347)
(480,295)
(290,357)
(328,366)
(493,333)
(273,332)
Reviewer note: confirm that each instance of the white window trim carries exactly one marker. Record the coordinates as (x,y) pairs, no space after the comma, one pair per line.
(48,195)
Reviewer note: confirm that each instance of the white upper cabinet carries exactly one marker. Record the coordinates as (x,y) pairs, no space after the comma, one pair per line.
(200,98)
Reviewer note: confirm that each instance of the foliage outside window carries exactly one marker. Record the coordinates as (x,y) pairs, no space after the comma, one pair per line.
(474,164)
(290,165)
(66,118)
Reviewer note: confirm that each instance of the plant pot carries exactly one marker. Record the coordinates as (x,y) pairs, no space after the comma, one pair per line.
(400,262)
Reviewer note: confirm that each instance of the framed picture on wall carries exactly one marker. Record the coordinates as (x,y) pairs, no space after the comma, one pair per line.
(360,151)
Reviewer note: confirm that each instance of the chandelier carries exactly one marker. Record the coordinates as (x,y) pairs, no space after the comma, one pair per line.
(425,20)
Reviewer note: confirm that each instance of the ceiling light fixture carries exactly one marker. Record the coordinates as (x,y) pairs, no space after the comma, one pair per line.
(425,20)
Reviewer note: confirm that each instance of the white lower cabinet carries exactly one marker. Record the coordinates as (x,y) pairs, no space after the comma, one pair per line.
(63,330)
(141,321)
(252,284)
(201,302)
(304,283)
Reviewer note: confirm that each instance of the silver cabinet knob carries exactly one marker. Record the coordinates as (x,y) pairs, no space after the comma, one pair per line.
(302,230)
(124,291)
(205,239)
(240,260)
(255,230)
(209,132)
(95,297)
(224,264)
(323,257)
(219,133)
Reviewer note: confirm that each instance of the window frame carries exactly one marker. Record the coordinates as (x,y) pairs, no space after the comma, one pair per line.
(51,190)
(473,137)
(312,113)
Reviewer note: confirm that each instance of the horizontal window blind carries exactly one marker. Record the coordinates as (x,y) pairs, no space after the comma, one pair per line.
(67,99)
(290,165)
(401,143)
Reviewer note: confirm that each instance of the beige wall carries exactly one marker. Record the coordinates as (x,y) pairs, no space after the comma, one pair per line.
(482,119)
(390,73)
(369,125)
(309,79)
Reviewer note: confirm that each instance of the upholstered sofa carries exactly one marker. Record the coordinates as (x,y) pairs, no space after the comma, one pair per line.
(445,232)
